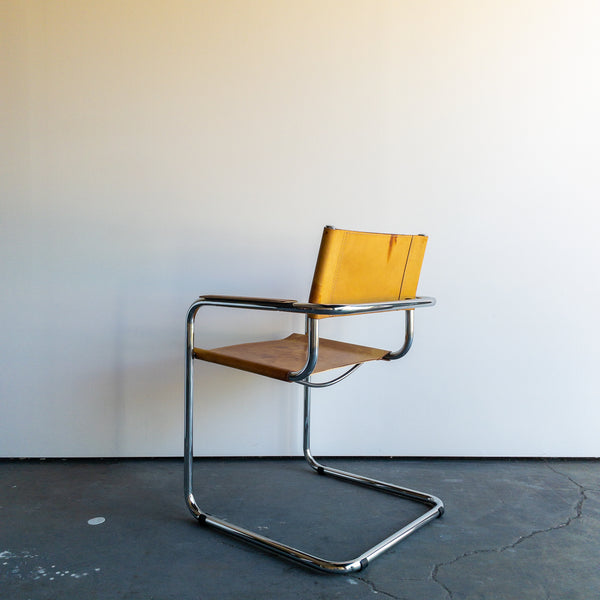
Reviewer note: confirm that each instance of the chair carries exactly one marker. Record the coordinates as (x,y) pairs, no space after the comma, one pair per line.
(356,273)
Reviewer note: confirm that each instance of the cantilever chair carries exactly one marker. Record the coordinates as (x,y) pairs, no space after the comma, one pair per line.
(356,273)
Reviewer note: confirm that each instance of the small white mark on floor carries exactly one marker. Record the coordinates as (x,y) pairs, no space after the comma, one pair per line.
(96,521)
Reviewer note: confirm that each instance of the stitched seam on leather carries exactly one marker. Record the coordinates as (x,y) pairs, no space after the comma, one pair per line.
(412,237)
(337,266)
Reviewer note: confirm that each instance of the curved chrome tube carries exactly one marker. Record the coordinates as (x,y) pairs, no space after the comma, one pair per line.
(309,383)
(309,308)
(312,333)
(409,332)
(435,504)
(188,444)
(356,309)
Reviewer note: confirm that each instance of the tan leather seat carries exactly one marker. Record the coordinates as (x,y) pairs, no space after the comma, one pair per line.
(277,358)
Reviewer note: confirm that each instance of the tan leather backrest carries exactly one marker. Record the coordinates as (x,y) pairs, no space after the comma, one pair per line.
(355,267)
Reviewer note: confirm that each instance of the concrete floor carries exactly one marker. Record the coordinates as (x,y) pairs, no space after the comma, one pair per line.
(514,529)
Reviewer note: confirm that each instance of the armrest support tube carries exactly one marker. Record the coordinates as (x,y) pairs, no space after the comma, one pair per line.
(409,331)
(312,333)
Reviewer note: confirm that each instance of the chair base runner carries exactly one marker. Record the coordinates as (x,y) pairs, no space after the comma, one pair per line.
(298,556)
(322,564)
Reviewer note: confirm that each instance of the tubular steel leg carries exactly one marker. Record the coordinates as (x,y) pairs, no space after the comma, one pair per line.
(348,566)
(188,446)
(436,510)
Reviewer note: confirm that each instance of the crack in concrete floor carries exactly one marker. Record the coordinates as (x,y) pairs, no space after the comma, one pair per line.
(375,589)
(434,575)
(574,504)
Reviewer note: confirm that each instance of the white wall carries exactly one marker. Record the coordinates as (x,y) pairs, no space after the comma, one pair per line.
(154,151)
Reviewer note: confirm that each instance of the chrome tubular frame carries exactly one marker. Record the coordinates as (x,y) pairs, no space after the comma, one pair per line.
(315,309)
(409,332)
(312,333)
(436,507)
(306,382)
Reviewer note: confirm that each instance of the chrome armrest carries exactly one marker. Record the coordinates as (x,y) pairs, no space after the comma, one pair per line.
(355,309)
(247,302)
(310,309)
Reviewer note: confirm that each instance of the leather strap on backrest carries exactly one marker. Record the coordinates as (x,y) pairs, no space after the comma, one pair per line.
(355,267)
